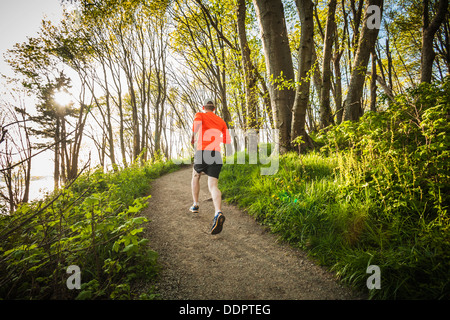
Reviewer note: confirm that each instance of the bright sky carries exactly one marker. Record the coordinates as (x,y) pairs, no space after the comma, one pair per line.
(22,18)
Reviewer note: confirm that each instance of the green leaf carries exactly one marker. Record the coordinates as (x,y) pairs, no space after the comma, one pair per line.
(135,231)
(129,247)
(84,295)
(116,246)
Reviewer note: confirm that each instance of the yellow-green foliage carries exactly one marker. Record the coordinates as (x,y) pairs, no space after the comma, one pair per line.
(376,194)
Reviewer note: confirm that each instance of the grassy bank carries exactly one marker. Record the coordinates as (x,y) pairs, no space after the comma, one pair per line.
(312,204)
(93,224)
(376,194)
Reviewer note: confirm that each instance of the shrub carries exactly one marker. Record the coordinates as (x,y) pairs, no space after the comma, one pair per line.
(94,224)
(377,193)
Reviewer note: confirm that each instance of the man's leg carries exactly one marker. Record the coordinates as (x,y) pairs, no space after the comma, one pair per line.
(216,195)
(213,185)
(195,186)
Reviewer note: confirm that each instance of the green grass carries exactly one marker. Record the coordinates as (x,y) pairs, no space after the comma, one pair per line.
(320,204)
(377,193)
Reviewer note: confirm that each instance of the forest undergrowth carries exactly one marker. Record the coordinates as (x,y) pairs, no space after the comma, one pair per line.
(376,193)
(94,225)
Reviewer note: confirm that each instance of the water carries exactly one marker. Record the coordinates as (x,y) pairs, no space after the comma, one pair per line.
(40,186)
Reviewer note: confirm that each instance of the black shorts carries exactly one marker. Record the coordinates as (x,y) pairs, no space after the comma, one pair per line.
(209,162)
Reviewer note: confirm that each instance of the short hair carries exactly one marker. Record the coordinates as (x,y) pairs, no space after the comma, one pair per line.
(209,104)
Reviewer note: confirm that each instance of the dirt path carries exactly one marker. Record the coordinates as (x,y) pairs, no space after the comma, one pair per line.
(243,262)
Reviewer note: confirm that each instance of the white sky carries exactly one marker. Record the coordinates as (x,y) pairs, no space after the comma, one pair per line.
(20,19)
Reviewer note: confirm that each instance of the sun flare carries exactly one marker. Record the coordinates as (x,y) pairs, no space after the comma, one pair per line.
(63,98)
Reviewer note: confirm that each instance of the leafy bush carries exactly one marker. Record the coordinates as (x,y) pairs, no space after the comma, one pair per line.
(94,224)
(376,194)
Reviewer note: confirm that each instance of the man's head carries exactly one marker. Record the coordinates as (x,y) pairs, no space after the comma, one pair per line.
(209,105)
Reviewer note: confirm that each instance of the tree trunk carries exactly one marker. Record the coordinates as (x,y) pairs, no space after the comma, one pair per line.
(75,152)
(305,54)
(57,151)
(221,80)
(373,84)
(428,32)
(326,117)
(8,178)
(338,82)
(27,171)
(367,39)
(63,152)
(356,21)
(270,14)
(107,120)
(250,77)
(267,104)
(122,129)
(109,128)
(389,60)
(135,122)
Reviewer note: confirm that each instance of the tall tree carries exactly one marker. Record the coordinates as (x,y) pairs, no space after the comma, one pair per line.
(305,57)
(279,66)
(199,40)
(250,73)
(373,83)
(429,29)
(326,117)
(366,43)
(36,64)
(15,154)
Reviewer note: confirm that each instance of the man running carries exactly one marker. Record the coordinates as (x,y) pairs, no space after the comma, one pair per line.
(211,130)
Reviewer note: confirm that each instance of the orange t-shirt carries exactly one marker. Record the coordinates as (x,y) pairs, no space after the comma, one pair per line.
(212,131)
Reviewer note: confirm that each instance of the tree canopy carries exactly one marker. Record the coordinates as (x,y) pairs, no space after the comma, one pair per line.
(138,70)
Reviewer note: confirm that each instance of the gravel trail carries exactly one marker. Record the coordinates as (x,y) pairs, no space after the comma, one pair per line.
(243,262)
